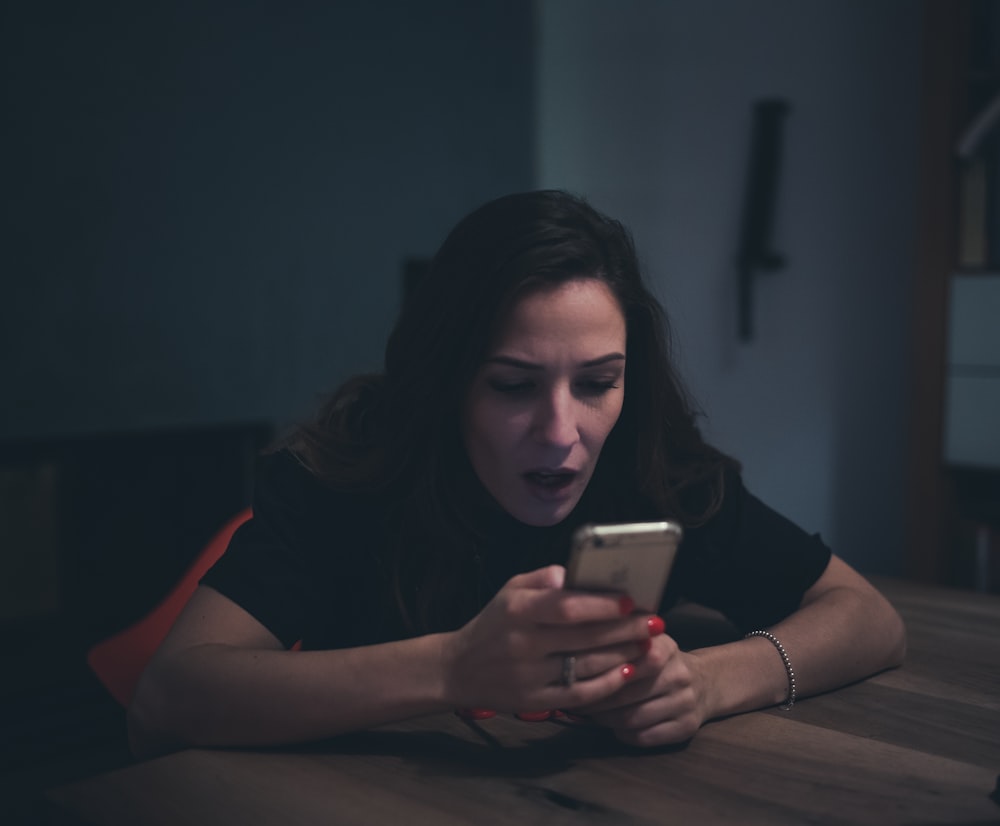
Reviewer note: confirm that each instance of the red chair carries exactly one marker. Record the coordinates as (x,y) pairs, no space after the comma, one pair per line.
(120,660)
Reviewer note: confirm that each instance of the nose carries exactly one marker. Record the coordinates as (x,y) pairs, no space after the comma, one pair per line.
(555,419)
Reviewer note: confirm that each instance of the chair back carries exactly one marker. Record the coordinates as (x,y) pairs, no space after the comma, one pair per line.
(119,660)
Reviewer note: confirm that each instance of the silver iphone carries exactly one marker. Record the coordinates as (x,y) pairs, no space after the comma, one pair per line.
(634,558)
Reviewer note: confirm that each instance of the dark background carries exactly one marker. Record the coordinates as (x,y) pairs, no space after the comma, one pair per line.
(209,209)
(207,205)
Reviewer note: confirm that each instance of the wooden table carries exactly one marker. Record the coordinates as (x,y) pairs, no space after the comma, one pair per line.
(917,745)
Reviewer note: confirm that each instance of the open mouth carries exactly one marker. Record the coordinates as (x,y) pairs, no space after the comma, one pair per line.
(550,480)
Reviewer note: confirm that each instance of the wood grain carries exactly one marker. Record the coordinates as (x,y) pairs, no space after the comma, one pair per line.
(917,745)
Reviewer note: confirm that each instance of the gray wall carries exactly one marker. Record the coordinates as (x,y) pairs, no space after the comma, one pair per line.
(645,106)
(207,205)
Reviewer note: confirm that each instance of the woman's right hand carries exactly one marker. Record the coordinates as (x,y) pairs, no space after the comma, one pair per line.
(510,656)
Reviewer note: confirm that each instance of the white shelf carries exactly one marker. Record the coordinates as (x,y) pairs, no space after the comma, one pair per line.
(972,402)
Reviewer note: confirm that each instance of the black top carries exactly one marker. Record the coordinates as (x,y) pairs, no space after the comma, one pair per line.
(312,565)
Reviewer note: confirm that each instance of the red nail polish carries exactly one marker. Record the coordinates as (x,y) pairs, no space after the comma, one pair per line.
(655,626)
(645,645)
(475,713)
(626,605)
(533,716)
(628,671)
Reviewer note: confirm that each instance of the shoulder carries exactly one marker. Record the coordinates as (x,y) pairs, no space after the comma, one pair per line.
(304,559)
(744,523)
(283,481)
(299,516)
(749,560)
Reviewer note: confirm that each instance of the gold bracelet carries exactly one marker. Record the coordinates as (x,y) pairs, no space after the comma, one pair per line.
(767,635)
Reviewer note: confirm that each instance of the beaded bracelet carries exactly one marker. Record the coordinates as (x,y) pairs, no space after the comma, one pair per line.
(767,635)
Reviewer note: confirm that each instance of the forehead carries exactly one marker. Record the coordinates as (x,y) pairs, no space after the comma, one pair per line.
(583,312)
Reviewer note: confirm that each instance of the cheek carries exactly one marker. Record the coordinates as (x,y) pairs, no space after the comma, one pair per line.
(604,421)
(501,431)
(598,435)
(488,431)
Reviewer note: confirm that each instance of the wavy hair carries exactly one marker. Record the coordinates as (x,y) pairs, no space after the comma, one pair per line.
(399,431)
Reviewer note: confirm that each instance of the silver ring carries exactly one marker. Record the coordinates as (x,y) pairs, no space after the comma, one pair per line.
(569,670)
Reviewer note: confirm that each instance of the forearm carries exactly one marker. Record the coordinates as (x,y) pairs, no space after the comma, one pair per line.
(215,694)
(842,635)
(222,678)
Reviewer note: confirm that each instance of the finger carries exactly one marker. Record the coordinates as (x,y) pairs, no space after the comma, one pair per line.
(658,690)
(586,636)
(625,603)
(644,682)
(551,576)
(594,663)
(560,607)
(636,692)
(586,691)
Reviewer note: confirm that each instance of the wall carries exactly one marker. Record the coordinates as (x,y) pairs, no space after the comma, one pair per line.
(645,107)
(207,205)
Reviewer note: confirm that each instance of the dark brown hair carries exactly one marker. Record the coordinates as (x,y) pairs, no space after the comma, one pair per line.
(399,430)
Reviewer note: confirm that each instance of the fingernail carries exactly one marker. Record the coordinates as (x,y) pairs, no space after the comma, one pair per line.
(475,713)
(645,645)
(628,671)
(533,716)
(655,626)
(626,605)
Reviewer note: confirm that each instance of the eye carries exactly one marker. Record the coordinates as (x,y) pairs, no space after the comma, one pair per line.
(511,388)
(596,387)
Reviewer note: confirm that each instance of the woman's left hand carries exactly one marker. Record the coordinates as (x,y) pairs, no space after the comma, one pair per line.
(665,702)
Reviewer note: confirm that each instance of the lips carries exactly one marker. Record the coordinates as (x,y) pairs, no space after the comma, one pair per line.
(550,481)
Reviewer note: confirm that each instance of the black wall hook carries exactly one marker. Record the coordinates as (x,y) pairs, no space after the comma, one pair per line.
(756,251)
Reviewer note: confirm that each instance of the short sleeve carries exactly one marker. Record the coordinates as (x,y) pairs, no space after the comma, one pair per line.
(749,562)
(262,570)
(303,564)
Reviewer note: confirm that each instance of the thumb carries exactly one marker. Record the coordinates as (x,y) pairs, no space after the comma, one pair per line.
(551,576)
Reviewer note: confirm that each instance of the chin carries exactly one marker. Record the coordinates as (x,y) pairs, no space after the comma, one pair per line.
(543,518)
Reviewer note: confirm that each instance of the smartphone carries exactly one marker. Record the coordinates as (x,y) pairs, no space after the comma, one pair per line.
(634,558)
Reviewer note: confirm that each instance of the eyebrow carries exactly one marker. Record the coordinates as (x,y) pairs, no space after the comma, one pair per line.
(510,361)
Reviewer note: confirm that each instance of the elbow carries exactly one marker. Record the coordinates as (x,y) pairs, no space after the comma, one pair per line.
(897,650)
(150,732)
(140,739)
(892,633)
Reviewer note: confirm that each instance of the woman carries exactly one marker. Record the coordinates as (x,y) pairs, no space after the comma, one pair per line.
(412,536)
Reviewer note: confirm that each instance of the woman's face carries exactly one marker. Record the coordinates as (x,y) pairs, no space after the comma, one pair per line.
(542,403)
